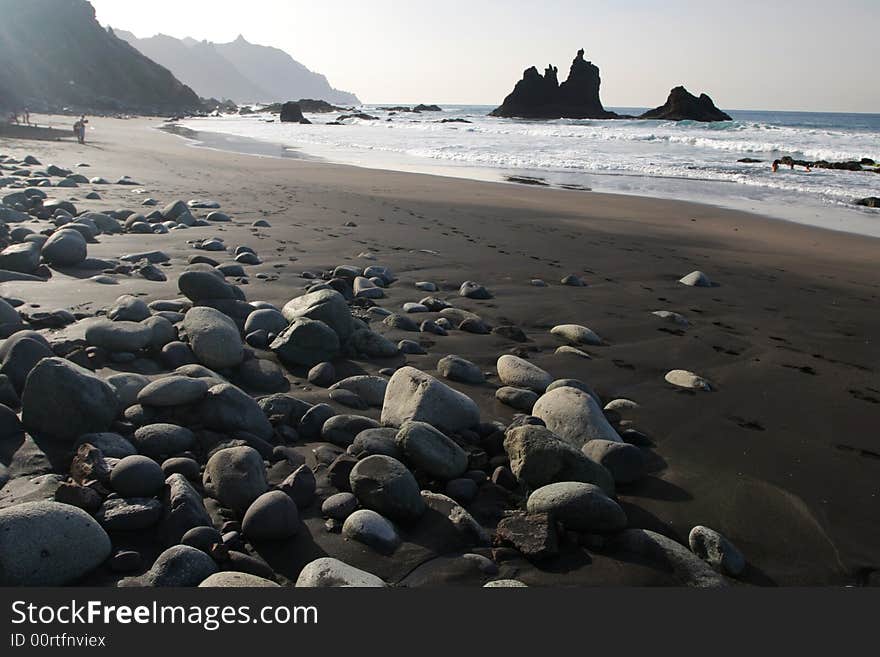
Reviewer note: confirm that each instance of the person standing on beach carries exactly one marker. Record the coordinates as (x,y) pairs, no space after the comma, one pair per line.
(79,129)
(27,116)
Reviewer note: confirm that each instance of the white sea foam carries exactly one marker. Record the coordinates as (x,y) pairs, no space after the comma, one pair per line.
(603,155)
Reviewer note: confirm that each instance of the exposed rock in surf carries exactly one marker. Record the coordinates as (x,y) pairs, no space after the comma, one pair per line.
(291,112)
(539,96)
(684,106)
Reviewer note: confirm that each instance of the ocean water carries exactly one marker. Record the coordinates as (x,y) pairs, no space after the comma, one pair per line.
(682,160)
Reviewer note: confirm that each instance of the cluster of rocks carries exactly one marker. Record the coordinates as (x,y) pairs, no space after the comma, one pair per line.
(541,96)
(39,233)
(200,451)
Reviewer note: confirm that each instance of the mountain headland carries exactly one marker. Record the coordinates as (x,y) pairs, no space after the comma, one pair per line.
(79,65)
(239,70)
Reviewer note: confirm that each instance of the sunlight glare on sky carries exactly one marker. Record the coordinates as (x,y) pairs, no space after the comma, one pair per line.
(778,54)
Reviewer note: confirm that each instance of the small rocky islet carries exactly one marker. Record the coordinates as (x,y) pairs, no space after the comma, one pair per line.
(156,442)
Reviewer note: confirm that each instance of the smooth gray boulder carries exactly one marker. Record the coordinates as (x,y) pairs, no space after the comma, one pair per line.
(473,290)
(519,399)
(127,386)
(365,288)
(23,258)
(162,331)
(137,476)
(578,506)
(372,344)
(229,579)
(229,409)
(261,375)
(128,308)
(300,486)
(118,336)
(368,527)
(163,439)
(459,369)
(696,279)
(326,306)
(266,319)
(625,462)
(10,320)
(520,373)
(342,429)
(576,334)
(29,488)
(382,440)
(385,485)
(62,400)
(273,516)
(312,422)
(202,285)
(431,451)
(213,337)
(173,390)
(339,506)
(539,457)
(574,416)
(713,548)
(20,353)
(329,572)
(414,395)
(49,544)
(112,445)
(104,223)
(174,209)
(180,565)
(688,380)
(306,342)
(235,476)
(322,375)
(65,248)
(369,388)
(672,317)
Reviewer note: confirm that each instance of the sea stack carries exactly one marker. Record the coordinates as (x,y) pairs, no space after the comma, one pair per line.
(291,112)
(684,106)
(539,96)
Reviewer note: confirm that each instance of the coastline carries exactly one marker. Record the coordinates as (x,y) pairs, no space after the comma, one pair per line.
(793,200)
(777,458)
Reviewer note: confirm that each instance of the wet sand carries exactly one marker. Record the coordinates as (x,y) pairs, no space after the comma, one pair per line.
(782,457)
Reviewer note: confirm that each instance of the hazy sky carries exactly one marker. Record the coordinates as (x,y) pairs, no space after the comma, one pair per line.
(777,54)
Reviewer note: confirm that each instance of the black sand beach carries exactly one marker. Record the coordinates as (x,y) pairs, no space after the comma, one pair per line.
(779,456)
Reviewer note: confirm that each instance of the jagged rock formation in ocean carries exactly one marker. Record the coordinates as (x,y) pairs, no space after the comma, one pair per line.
(539,96)
(240,71)
(684,106)
(54,55)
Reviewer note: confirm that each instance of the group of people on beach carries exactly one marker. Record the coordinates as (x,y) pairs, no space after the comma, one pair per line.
(79,129)
(790,162)
(23,117)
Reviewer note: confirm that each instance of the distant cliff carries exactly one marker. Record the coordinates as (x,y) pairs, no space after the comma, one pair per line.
(240,71)
(684,106)
(54,54)
(539,96)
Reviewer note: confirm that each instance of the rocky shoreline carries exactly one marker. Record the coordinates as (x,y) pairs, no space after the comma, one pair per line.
(199,392)
(175,452)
